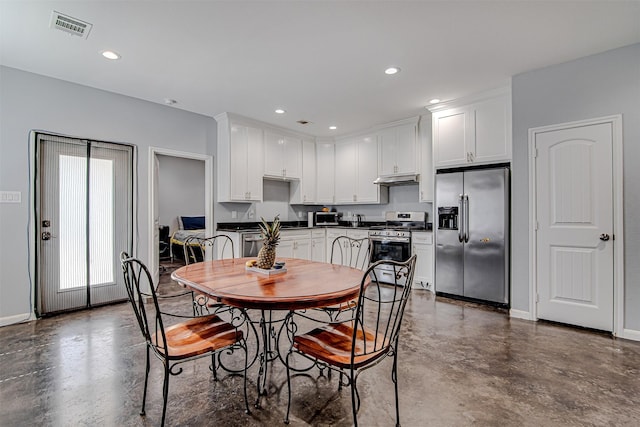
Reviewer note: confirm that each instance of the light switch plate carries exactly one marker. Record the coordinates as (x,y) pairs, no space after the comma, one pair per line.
(10,197)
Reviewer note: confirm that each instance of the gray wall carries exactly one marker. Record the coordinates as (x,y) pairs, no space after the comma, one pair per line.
(594,86)
(29,101)
(180,189)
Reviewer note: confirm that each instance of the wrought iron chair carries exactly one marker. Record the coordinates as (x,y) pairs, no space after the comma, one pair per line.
(193,338)
(357,344)
(195,250)
(354,253)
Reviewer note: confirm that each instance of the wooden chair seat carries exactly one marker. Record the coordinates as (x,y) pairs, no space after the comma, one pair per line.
(197,336)
(332,343)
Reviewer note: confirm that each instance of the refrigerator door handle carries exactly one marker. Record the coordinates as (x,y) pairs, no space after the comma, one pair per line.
(461,218)
(466,218)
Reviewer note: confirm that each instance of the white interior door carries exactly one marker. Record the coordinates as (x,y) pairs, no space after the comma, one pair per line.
(84,207)
(574,200)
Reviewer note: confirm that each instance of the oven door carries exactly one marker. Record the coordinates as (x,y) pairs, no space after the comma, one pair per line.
(389,249)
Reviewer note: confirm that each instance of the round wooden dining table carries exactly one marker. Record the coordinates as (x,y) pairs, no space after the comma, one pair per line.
(305,284)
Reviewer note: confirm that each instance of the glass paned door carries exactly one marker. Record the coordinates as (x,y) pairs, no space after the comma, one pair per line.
(84,203)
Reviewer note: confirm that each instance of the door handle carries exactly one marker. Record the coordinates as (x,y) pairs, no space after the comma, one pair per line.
(460,219)
(46,235)
(604,237)
(466,218)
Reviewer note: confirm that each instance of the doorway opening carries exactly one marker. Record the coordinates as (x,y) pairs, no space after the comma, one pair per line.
(180,185)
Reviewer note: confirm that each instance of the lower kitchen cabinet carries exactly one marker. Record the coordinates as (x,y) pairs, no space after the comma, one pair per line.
(294,244)
(318,251)
(422,246)
(333,233)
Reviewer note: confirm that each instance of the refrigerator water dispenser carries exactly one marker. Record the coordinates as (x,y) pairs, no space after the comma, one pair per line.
(448,218)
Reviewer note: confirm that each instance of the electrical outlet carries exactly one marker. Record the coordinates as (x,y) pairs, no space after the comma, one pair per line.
(250,214)
(300,214)
(234,214)
(10,197)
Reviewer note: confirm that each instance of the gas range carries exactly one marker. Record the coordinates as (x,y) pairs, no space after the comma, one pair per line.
(400,225)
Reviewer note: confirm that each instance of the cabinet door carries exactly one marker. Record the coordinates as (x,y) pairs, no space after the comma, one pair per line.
(317,249)
(450,137)
(308,180)
(332,234)
(273,149)
(388,151)
(424,265)
(255,164)
(325,176)
(492,131)
(292,157)
(367,170)
(239,152)
(285,249)
(346,168)
(302,249)
(426,160)
(406,149)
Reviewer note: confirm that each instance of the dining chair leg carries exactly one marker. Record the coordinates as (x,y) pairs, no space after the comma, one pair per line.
(146,381)
(394,378)
(165,392)
(286,418)
(246,367)
(214,368)
(354,396)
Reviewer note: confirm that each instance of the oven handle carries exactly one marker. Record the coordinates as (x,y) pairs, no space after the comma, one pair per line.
(390,239)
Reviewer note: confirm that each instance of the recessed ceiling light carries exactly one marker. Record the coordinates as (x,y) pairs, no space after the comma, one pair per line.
(280,111)
(333,127)
(109,54)
(392,70)
(434,101)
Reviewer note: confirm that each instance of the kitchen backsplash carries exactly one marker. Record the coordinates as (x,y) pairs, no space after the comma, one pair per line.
(276,201)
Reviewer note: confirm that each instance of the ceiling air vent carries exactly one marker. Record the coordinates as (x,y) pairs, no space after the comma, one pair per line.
(303,122)
(69,24)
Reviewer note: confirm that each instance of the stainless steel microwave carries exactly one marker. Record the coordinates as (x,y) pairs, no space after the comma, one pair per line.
(327,218)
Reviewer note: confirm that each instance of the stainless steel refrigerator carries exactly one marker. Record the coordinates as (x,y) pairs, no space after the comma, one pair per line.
(472,234)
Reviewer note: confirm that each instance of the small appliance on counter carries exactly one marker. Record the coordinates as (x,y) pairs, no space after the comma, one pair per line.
(327,218)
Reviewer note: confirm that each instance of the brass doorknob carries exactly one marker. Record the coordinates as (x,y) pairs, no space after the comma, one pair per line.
(604,237)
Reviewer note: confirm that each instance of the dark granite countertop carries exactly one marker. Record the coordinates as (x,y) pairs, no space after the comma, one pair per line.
(288,225)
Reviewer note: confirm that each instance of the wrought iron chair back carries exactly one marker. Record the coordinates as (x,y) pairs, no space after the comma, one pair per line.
(352,252)
(195,248)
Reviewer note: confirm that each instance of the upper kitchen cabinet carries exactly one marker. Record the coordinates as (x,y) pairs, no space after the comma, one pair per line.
(304,191)
(282,156)
(240,160)
(426,159)
(398,148)
(325,173)
(356,167)
(475,133)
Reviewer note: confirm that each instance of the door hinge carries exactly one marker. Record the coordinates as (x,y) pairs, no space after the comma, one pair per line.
(536,226)
(535,153)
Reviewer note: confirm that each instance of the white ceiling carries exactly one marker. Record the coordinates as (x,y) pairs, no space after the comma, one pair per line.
(321,61)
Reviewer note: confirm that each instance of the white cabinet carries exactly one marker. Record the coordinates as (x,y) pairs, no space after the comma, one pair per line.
(478,133)
(223,250)
(282,156)
(356,169)
(294,244)
(318,245)
(398,150)
(304,190)
(422,246)
(240,161)
(325,173)
(426,160)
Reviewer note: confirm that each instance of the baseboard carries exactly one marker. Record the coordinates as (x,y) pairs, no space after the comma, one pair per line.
(18,318)
(630,334)
(520,314)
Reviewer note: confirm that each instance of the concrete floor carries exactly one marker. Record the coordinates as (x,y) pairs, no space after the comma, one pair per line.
(459,365)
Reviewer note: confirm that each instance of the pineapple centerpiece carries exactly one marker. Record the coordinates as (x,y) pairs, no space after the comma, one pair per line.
(271,238)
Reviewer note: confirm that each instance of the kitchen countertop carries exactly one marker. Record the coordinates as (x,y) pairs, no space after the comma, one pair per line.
(296,225)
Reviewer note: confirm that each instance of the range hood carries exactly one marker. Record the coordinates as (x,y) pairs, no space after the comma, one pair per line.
(406,179)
